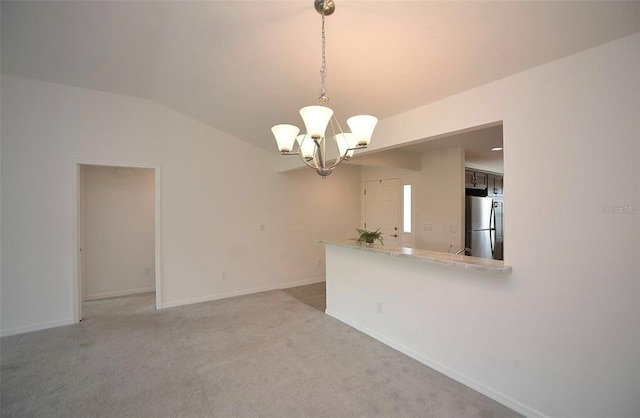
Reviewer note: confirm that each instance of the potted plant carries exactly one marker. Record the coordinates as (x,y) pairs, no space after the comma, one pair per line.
(369,237)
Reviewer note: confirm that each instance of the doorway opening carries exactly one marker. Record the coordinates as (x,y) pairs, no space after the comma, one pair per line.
(435,175)
(117,240)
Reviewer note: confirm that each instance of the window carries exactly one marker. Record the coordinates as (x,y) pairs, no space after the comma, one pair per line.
(406,205)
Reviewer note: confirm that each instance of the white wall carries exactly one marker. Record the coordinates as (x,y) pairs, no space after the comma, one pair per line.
(215,193)
(429,312)
(440,200)
(561,335)
(118,220)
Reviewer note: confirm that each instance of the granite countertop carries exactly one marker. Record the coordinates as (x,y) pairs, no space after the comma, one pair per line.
(483,265)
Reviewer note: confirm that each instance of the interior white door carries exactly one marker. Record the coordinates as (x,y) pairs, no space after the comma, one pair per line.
(382,208)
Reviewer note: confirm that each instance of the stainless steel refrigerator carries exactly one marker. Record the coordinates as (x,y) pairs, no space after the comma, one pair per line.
(484,227)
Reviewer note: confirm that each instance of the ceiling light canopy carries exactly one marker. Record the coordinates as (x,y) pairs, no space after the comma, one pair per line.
(311,145)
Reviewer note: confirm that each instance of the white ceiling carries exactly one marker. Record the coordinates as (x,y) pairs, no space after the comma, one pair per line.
(477,145)
(476,142)
(243,66)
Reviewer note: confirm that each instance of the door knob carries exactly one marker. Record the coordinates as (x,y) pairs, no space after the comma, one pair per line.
(393,235)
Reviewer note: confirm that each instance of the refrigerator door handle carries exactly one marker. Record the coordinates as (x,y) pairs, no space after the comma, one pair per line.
(492,223)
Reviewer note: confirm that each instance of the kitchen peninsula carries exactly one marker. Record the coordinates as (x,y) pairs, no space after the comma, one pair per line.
(430,306)
(482,265)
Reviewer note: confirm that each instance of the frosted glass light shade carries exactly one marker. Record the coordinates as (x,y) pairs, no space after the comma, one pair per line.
(316,119)
(351,140)
(362,127)
(345,141)
(285,136)
(307,146)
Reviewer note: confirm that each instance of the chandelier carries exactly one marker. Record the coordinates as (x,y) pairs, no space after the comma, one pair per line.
(311,146)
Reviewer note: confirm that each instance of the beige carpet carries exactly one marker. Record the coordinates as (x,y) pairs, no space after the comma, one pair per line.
(262,355)
(314,295)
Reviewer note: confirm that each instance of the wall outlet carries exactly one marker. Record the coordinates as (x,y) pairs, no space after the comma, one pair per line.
(379,307)
(147,271)
(261,227)
(453,228)
(319,263)
(223,275)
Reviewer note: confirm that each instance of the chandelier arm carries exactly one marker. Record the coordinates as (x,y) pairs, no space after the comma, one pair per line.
(304,160)
(316,157)
(339,126)
(357,147)
(337,161)
(333,129)
(340,156)
(314,166)
(320,152)
(340,159)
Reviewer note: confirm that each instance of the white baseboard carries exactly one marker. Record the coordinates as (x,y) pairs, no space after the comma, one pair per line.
(35,327)
(53,324)
(477,386)
(107,295)
(305,282)
(173,304)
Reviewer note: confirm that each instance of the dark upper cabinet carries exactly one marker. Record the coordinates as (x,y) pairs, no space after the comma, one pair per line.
(474,179)
(477,180)
(496,185)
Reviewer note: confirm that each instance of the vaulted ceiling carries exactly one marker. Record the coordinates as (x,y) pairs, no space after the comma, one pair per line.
(243,66)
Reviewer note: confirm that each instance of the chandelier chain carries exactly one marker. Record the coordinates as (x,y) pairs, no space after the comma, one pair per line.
(323,69)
